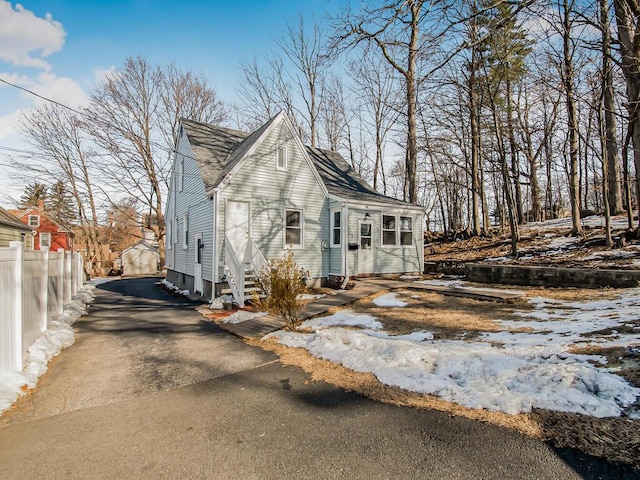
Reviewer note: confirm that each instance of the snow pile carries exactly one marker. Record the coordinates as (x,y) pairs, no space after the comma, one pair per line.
(172,288)
(218,302)
(566,323)
(58,336)
(242,316)
(531,370)
(346,318)
(310,296)
(389,300)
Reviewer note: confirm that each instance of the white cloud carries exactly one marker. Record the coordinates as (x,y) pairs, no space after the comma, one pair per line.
(61,89)
(25,40)
(100,74)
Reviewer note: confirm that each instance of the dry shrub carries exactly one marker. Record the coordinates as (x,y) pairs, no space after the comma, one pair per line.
(280,285)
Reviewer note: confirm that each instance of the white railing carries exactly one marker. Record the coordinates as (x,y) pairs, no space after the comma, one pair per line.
(234,271)
(255,257)
(34,286)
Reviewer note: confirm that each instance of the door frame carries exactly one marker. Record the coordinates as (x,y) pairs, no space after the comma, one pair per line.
(360,262)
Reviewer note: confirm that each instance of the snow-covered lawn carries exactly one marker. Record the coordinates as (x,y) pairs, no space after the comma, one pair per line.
(503,371)
(58,336)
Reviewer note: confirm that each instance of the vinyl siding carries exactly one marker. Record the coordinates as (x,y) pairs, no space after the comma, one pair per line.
(270,191)
(8,234)
(192,199)
(387,259)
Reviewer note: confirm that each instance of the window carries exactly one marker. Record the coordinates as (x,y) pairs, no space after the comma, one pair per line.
(389,232)
(180,173)
(336,230)
(293,228)
(45,240)
(34,220)
(281,160)
(406,231)
(185,231)
(170,235)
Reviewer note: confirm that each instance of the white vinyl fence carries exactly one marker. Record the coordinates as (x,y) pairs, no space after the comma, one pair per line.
(34,287)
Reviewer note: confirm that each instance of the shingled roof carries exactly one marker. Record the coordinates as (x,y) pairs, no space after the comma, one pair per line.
(10,220)
(217,150)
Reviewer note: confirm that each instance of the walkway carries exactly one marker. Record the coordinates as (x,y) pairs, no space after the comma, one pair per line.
(260,326)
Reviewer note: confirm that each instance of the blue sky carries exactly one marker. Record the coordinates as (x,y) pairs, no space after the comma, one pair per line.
(59,48)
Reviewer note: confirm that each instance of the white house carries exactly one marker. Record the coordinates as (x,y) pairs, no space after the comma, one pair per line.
(237,199)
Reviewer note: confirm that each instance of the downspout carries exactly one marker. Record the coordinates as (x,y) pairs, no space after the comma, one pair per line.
(345,245)
(214,245)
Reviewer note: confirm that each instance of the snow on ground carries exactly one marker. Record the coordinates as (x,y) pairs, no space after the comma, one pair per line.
(508,372)
(242,316)
(389,300)
(170,286)
(458,282)
(594,221)
(58,336)
(310,296)
(343,318)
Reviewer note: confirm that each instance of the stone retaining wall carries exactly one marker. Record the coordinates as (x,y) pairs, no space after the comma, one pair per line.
(551,276)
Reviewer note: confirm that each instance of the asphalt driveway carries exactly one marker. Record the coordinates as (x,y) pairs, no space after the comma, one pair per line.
(152,390)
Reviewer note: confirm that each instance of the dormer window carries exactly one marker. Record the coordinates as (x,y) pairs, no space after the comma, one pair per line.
(281,159)
(34,220)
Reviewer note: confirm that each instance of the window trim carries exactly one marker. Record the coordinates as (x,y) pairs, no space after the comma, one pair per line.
(401,231)
(285,165)
(181,173)
(284,228)
(333,227)
(398,230)
(383,230)
(170,234)
(185,231)
(37,218)
(44,235)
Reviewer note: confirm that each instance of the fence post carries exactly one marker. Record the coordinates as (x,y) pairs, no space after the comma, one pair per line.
(17,299)
(60,284)
(44,287)
(67,277)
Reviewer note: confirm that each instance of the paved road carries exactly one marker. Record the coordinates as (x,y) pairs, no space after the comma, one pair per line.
(150,390)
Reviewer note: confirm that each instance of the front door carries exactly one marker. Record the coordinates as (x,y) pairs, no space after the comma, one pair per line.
(197,271)
(365,248)
(238,226)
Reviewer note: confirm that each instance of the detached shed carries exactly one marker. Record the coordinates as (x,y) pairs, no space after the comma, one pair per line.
(141,258)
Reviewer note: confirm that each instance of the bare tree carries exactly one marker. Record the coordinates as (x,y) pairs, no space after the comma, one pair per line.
(627,16)
(58,135)
(376,86)
(305,51)
(135,113)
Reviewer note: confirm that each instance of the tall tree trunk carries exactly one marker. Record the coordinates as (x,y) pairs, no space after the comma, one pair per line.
(572,121)
(513,151)
(627,14)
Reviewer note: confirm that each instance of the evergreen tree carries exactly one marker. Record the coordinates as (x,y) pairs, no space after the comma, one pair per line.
(59,205)
(33,194)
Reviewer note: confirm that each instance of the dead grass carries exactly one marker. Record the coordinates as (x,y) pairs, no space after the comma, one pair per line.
(368,385)
(615,439)
(446,317)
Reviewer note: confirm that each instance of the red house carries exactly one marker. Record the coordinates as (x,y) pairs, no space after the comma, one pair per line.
(47,232)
